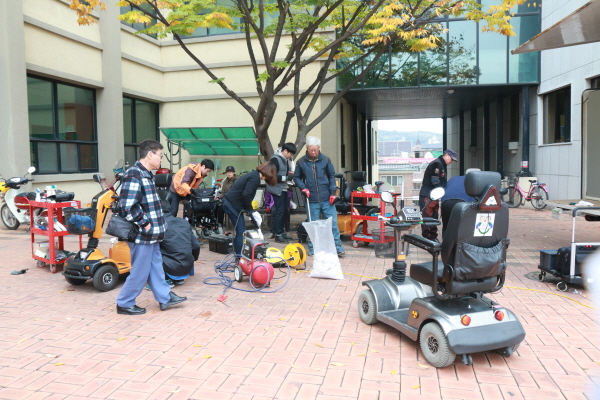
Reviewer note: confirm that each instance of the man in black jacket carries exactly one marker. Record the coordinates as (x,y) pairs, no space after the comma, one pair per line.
(436,175)
(281,161)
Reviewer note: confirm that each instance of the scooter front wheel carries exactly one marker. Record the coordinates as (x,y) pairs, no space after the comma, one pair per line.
(10,221)
(434,345)
(366,307)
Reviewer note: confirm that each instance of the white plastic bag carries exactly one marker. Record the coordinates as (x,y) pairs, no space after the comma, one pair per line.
(326,263)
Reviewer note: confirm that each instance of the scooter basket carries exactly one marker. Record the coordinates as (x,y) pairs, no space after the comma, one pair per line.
(79,221)
(383,241)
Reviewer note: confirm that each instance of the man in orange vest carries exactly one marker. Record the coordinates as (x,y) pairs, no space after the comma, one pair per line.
(186,179)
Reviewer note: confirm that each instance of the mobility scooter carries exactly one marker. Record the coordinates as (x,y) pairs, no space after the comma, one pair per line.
(441,304)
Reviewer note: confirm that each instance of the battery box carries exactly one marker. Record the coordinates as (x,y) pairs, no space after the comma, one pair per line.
(220,244)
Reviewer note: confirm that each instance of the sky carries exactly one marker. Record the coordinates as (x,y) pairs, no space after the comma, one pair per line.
(412,125)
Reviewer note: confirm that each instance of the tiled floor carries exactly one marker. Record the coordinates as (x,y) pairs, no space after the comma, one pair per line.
(305,341)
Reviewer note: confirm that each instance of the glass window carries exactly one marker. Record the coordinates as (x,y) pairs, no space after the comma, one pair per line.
(595,84)
(557,113)
(62,126)
(140,122)
(462,52)
(403,69)
(515,120)
(433,65)
(379,75)
(493,58)
(523,67)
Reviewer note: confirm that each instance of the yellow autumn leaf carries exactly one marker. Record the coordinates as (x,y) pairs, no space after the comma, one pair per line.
(362,354)
(207,356)
(198,345)
(58,364)
(293,366)
(262,297)
(63,292)
(282,319)
(393,372)
(325,305)
(342,285)
(423,366)
(375,351)
(249,305)
(337,364)
(21,341)
(319,344)
(37,319)
(123,338)
(267,328)
(316,369)
(131,370)
(190,358)
(416,387)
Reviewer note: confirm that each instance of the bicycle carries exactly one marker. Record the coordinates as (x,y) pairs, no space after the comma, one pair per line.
(537,194)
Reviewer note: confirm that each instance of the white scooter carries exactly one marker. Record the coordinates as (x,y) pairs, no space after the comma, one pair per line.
(15,210)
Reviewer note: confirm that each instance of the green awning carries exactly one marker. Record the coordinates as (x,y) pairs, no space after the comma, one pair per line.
(238,141)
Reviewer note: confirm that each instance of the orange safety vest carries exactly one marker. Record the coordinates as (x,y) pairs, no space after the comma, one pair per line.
(183,188)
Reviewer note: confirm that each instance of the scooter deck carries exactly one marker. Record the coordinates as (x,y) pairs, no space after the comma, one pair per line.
(398,319)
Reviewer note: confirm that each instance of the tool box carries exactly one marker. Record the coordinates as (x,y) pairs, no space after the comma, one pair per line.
(222,244)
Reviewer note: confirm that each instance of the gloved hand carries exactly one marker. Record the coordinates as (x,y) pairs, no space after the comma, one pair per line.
(257,218)
(332,200)
(306,193)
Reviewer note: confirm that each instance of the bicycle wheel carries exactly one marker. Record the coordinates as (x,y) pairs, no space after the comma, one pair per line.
(538,198)
(513,198)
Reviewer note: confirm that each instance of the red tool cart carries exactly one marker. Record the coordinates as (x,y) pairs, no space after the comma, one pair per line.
(55,237)
(382,236)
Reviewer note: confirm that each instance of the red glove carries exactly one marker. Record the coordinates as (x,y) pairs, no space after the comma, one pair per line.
(306,193)
(332,200)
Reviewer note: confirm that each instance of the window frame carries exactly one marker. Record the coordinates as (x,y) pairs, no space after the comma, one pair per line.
(34,141)
(552,100)
(136,144)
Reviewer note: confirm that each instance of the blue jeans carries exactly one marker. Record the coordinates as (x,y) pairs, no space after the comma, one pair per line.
(240,227)
(279,216)
(146,266)
(328,210)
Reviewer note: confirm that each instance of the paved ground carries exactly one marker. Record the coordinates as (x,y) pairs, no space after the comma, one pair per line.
(305,341)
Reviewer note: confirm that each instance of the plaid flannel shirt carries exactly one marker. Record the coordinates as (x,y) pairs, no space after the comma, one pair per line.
(140,204)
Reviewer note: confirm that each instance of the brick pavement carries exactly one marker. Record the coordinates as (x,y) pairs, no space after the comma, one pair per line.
(305,341)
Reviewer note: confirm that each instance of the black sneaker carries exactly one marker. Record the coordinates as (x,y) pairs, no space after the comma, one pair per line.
(341,253)
(288,237)
(280,239)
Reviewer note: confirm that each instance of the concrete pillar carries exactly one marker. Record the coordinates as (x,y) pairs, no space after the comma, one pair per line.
(14,121)
(109,100)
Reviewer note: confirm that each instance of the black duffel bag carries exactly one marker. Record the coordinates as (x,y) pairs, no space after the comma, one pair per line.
(203,201)
(121,228)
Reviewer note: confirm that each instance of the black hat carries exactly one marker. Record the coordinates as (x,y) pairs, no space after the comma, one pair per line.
(451,153)
(230,168)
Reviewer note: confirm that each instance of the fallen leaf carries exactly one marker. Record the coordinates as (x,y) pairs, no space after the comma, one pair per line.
(316,369)
(207,356)
(267,328)
(63,292)
(198,345)
(131,370)
(123,338)
(58,364)
(319,344)
(339,309)
(293,366)
(282,319)
(393,372)
(362,354)
(375,351)
(190,358)
(342,285)
(337,364)
(37,319)
(51,355)
(416,387)
(325,305)
(21,341)
(352,344)
(423,366)
(249,305)
(262,297)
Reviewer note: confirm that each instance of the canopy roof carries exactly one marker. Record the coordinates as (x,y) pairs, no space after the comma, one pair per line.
(215,141)
(578,28)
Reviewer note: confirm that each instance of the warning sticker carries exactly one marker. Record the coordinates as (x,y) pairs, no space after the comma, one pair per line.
(484,225)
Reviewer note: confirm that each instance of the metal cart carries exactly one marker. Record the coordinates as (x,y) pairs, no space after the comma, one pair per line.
(55,238)
(549,259)
(361,232)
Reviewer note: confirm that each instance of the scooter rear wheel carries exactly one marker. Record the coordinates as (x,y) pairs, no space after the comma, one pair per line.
(434,345)
(10,221)
(366,307)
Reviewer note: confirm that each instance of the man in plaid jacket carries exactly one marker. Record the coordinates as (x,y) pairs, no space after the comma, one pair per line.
(142,206)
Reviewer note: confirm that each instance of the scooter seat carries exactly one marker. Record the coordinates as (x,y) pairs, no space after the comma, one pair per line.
(423,272)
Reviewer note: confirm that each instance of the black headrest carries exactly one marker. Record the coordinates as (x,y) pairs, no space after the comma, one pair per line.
(477,181)
(163,181)
(359,176)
